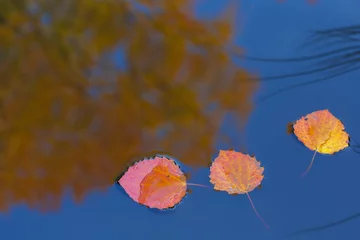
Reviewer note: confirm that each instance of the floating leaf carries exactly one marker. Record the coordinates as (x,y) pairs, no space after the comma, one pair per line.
(163,187)
(236,173)
(321,132)
(156,183)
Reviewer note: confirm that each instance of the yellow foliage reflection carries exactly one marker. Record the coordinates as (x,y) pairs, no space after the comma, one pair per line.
(69,117)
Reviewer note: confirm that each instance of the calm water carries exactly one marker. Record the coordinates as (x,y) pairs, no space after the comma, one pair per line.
(38,190)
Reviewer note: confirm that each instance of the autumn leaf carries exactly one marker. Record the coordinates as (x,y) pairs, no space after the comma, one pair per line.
(236,173)
(321,132)
(156,183)
(163,187)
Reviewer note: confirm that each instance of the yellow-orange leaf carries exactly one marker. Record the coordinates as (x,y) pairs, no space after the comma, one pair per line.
(322,132)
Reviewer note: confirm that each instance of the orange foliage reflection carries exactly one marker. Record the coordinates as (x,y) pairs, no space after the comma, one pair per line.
(71,118)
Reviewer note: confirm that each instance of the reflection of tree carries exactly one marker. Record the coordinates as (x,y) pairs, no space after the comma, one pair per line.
(342,58)
(71,117)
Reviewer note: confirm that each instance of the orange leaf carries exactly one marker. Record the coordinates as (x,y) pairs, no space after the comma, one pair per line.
(162,188)
(236,173)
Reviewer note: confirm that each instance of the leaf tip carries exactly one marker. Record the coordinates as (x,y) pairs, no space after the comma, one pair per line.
(290,128)
(187,175)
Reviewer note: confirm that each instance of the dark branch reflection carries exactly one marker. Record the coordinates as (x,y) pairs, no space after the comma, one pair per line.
(323,227)
(343,58)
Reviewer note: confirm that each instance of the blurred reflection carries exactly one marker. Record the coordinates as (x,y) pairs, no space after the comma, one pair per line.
(73,113)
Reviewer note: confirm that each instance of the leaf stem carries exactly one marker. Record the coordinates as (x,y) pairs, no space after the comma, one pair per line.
(311,163)
(257,214)
(198,185)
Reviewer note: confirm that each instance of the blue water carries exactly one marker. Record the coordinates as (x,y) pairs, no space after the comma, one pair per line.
(288,203)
